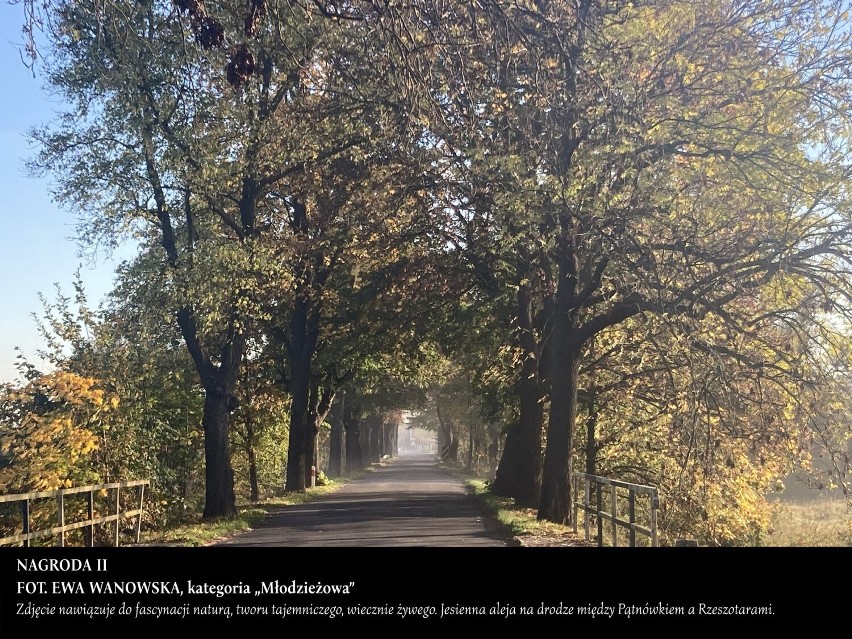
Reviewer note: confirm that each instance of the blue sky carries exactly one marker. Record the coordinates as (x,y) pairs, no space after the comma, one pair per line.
(36,236)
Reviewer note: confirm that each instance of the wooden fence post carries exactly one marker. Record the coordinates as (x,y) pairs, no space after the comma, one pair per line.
(139,517)
(117,512)
(25,513)
(631,512)
(614,513)
(60,517)
(599,508)
(655,503)
(587,502)
(575,486)
(90,513)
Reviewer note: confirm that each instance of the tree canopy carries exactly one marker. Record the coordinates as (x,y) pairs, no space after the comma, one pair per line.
(615,234)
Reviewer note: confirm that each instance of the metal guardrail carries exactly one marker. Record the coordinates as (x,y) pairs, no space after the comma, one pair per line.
(612,514)
(90,522)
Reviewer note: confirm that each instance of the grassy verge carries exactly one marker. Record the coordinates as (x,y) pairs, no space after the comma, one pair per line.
(518,522)
(515,521)
(204,533)
(312,494)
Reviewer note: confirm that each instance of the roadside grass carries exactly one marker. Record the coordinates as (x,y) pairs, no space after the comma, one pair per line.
(821,522)
(515,520)
(205,533)
(521,522)
(311,494)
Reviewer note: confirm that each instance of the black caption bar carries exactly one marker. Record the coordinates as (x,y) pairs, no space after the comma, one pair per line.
(277,587)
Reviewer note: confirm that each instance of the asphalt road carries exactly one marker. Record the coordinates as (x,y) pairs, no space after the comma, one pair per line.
(409,501)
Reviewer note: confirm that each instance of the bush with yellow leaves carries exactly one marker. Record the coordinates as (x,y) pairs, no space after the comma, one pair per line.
(49,432)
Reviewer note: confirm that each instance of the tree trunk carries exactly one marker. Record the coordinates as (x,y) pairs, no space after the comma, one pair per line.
(471,444)
(519,472)
(375,437)
(336,445)
(365,441)
(253,486)
(369,439)
(556,483)
(296,462)
(448,445)
(389,424)
(310,456)
(318,407)
(453,454)
(311,433)
(252,460)
(494,433)
(219,499)
(303,341)
(314,467)
(219,401)
(375,434)
(352,426)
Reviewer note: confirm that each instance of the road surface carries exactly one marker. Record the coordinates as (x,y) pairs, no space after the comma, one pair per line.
(408,501)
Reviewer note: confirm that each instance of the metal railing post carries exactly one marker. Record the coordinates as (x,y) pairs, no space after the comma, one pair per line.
(599,509)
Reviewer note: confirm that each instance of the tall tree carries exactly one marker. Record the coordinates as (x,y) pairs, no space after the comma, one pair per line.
(174,128)
(675,158)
